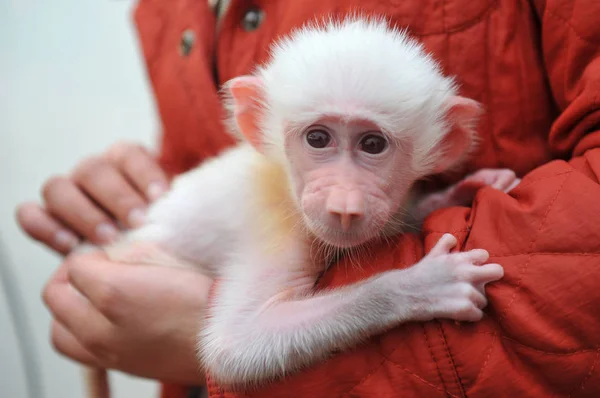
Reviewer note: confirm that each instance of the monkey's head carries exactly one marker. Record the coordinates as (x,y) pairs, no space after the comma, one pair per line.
(356,112)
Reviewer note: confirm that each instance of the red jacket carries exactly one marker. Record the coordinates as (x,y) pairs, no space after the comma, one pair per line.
(535,65)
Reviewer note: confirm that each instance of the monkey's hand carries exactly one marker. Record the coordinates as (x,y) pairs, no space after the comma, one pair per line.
(451,285)
(463,192)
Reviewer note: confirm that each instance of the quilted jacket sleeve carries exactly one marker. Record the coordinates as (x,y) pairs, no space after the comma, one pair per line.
(541,338)
(571,51)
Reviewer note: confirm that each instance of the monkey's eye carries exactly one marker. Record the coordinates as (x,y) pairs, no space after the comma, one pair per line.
(373,144)
(318,138)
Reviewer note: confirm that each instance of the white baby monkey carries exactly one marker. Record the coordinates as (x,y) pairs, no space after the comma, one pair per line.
(338,127)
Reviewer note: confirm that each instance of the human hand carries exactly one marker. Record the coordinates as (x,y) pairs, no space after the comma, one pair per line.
(139,319)
(102,192)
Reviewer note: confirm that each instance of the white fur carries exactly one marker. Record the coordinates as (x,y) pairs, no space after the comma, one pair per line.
(202,216)
(358,66)
(266,320)
(251,335)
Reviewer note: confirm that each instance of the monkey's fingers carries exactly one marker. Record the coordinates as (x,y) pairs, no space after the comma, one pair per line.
(478,298)
(38,224)
(446,243)
(504,180)
(486,273)
(475,256)
(516,182)
(488,176)
(463,310)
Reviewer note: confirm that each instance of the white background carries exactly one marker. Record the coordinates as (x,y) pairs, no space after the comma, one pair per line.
(71,82)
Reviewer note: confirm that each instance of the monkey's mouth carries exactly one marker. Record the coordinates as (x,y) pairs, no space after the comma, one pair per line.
(344,239)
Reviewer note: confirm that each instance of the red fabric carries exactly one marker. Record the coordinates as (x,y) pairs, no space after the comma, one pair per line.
(535,66)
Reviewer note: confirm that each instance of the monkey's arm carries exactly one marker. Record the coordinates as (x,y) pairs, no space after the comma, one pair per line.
(463,192)
(255,339)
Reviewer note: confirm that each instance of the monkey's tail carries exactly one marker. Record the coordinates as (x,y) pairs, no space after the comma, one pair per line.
(96,381)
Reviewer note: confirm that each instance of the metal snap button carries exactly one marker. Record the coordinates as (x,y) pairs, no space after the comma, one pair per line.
(187,42)
(252,19)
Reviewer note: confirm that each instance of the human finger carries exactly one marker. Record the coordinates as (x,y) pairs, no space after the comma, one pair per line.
(91,329)
(96,278)
(66,202)
(38,224)
(140,167)
(103,182)
(65,343)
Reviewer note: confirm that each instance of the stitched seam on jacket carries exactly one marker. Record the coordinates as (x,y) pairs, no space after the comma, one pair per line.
(425,381)
(526,184)
(464,26)
(531,246)
(433,358)
(375,369)
(414,375)
(587,377)
(451,360)
(419,378)
(487,358)
(429,231)
(524,124)
(581,254)
(572,28)
(530,182)
(561,354)
(488,91)
(444,26)
(564,73)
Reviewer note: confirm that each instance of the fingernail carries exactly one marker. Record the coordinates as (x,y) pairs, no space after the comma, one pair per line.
(155,190)
(65,239)
(106,232)
(136,217)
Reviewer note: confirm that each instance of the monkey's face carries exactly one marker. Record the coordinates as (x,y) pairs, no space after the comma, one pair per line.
(350,179)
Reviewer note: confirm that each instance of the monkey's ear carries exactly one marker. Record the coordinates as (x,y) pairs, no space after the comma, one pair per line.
(246,96)
(463,116)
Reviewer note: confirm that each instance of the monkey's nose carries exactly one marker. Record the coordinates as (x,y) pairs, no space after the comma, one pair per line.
(347,206)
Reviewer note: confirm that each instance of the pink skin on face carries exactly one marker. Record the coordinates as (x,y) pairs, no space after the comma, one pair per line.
(346,179)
